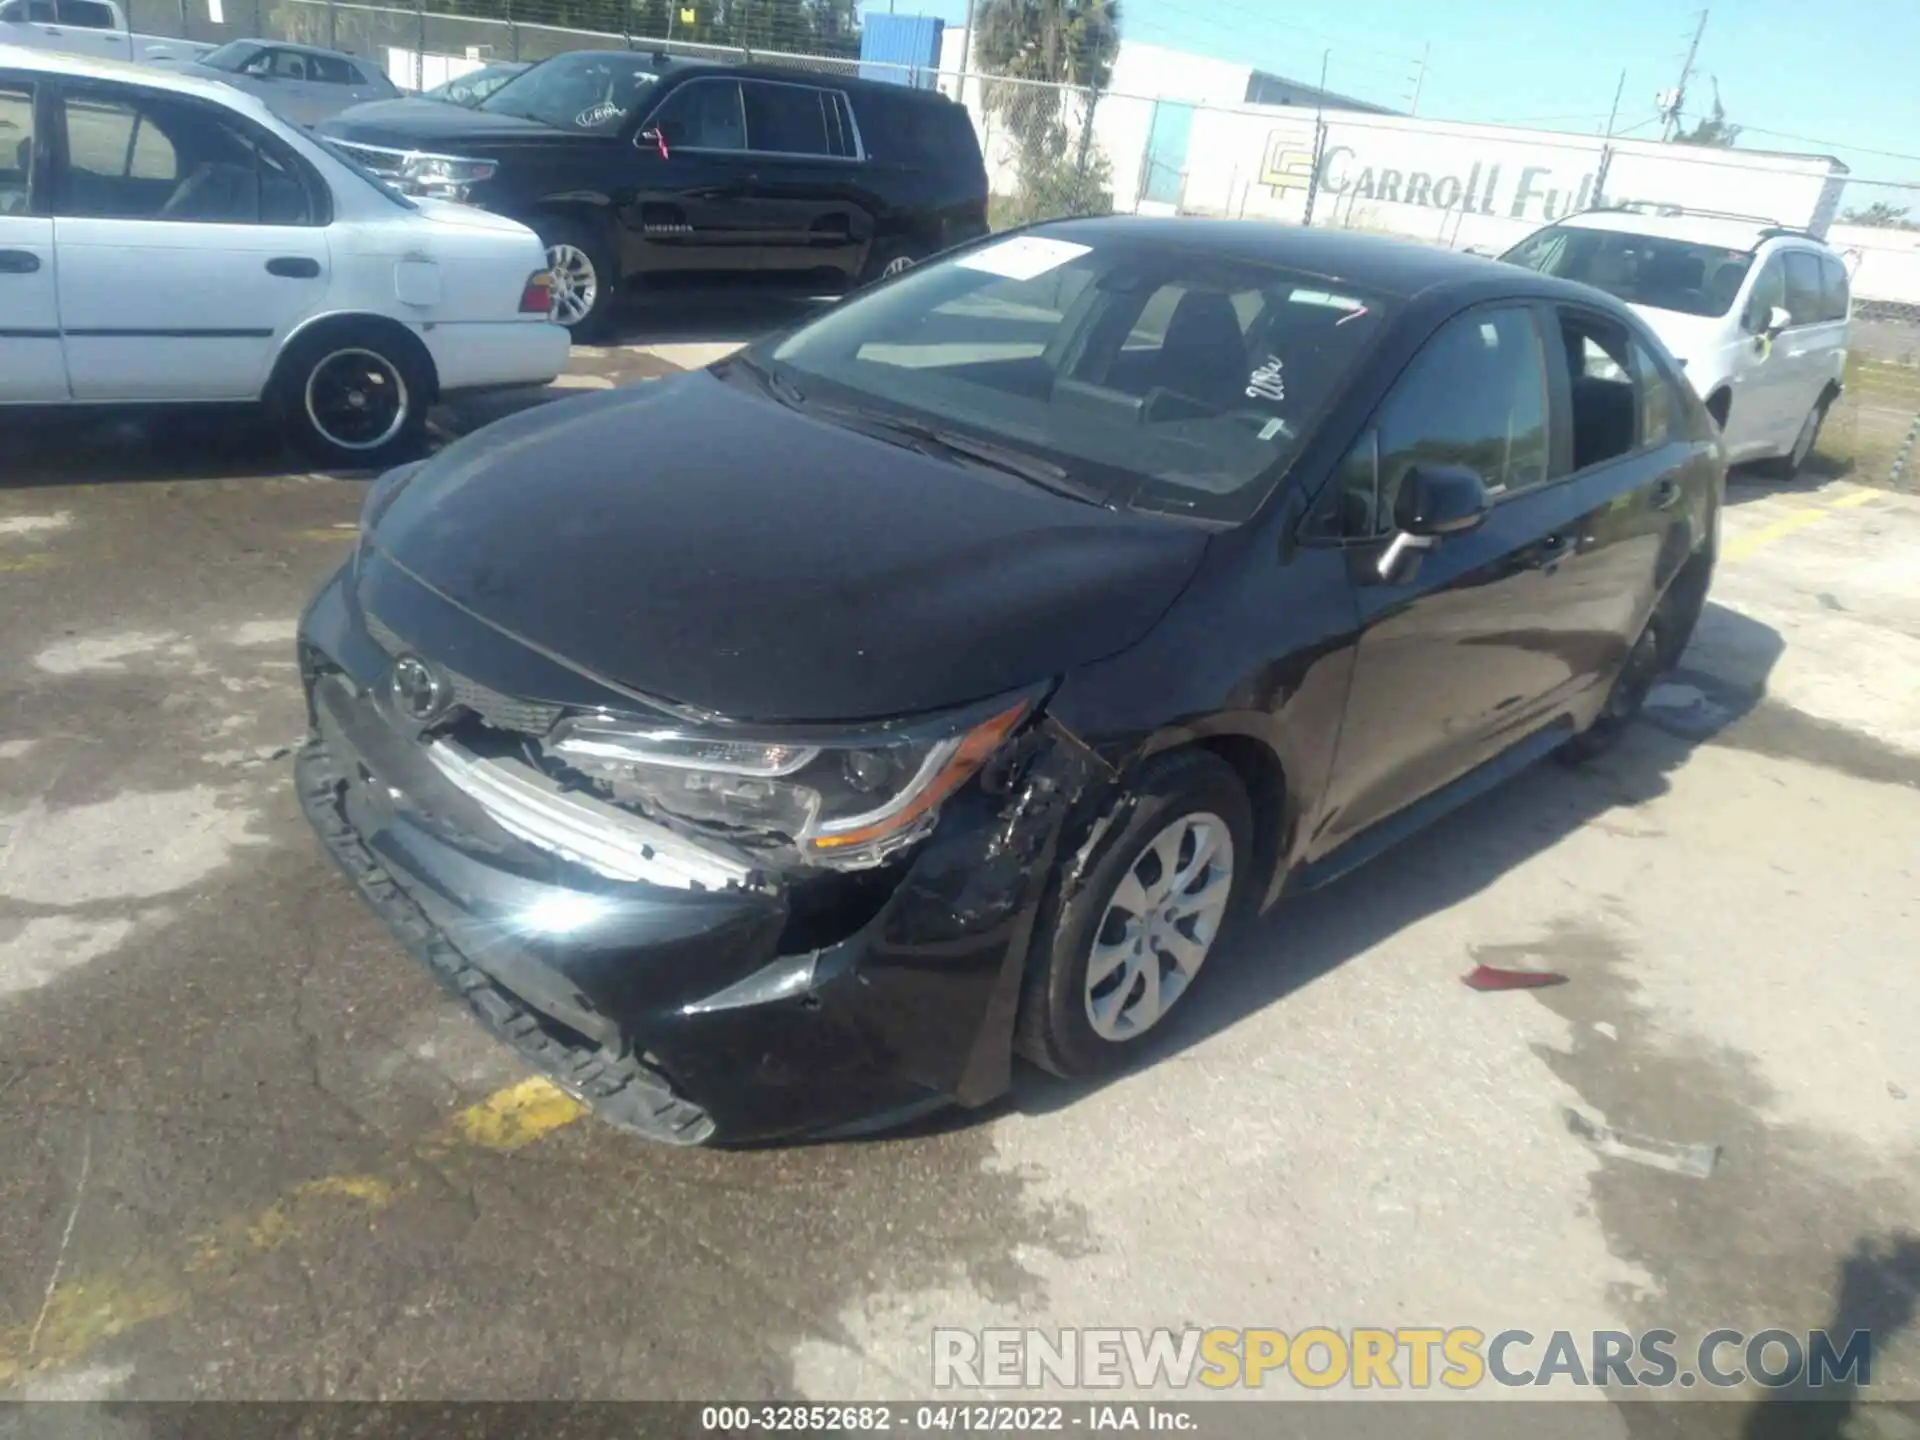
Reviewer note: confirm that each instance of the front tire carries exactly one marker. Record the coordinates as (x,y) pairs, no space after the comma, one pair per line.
(580,260)
(1654,655)
(355,396)
(1129,945)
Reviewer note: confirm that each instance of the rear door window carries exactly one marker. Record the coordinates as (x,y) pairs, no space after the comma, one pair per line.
(141,156)
(786,119)
(1803,287)
(331,70)
(16,147)
(1834,291)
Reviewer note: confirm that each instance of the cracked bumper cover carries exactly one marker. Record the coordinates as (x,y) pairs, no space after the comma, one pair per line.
(672,1009)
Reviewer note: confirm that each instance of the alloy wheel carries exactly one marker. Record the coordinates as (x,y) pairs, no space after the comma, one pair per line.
(357,399)
(576,284)
(1159,926)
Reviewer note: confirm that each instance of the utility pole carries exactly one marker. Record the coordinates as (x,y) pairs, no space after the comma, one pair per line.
(966,60)
(1614,114)
(1419,78)
(1671,121)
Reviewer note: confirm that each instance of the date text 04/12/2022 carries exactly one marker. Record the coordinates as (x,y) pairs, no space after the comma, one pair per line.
(945,1418)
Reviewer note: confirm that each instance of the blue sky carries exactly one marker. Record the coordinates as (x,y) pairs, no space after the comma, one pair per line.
(1843,72)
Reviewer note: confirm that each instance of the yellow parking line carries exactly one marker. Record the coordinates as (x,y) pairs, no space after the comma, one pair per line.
(38,560)
(1744,546)
(81,1313)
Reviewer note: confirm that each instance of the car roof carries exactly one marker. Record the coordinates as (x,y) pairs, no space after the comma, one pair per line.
(123,72)
(1380,263)
(1734,232)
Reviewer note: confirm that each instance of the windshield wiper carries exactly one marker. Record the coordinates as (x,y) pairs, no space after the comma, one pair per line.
(775,384)
(929,438)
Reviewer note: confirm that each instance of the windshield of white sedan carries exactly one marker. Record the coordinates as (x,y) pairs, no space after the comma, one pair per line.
(1652,270)
(1165,380)
(587,90)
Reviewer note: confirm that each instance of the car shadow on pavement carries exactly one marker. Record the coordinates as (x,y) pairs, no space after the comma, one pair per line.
(203,443)
(1309,935)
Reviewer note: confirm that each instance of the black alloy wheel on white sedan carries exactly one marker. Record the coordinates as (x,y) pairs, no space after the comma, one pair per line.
(355,395)
(1128,946)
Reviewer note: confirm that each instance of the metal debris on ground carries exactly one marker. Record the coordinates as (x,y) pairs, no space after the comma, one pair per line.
(1696,1161)
(1495,977)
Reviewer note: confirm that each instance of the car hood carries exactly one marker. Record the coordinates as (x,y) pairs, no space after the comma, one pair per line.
(695,541)
(1697,339)
(416,124)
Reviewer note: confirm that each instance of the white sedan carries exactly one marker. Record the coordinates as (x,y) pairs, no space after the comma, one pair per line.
(165,240)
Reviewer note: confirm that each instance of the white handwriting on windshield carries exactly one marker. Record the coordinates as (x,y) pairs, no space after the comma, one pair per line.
(1267,383)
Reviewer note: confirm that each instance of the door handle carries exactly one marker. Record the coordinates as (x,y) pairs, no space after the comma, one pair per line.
(18,262)
(1666,493)
(294,267)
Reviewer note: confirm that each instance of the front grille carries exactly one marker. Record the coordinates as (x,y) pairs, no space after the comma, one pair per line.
(493,709)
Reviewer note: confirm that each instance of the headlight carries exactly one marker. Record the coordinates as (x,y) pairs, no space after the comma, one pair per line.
(443,177)
(847,803)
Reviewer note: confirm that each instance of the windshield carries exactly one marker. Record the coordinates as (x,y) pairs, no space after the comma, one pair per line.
(1652,270)
(1155,378)
(587,90)
(476,85)
(232,55)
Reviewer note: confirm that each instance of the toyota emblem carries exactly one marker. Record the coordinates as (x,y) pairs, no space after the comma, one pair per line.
(418,691)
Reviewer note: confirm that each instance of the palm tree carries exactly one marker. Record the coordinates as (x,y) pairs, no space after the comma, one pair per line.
(1040,46)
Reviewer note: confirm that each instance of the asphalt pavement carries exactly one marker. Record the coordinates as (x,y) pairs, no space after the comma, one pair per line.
(247,1150)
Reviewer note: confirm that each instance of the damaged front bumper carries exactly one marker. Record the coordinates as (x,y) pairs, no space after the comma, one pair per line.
(679,992)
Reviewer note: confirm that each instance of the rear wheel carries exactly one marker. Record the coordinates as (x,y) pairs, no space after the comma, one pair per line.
(1128,947)
(581,263)
(355,395)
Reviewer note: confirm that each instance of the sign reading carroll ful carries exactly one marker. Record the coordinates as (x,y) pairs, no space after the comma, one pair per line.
(1475,190)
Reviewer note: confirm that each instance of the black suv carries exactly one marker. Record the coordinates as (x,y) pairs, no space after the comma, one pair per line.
(633,165)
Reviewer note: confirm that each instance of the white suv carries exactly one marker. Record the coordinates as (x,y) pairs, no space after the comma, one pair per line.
(1757,314)
(166,239)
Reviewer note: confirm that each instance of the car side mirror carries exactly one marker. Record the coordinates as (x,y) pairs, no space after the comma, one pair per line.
(654,137)
(1777,320)
(1434,501)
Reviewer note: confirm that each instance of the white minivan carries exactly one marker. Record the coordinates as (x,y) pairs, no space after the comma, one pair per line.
(1757,314)
(165,239)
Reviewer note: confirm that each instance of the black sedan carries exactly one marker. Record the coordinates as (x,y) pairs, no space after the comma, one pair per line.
(784,747)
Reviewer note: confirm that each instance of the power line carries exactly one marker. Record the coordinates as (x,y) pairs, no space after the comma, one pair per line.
(1833,144)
